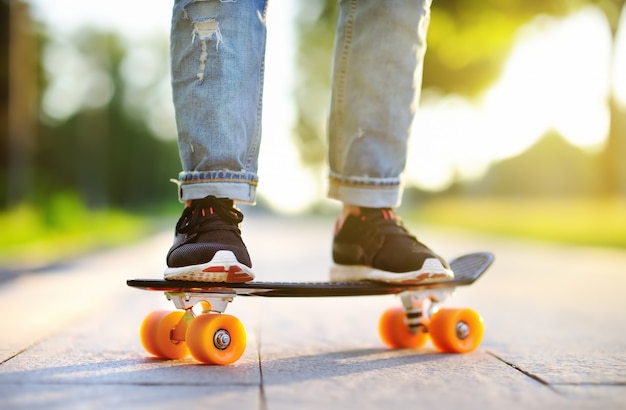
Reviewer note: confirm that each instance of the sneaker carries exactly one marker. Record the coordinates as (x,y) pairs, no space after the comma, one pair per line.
(375,246)
(208,246)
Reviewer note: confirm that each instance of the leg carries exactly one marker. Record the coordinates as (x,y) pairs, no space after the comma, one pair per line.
(217,55)
(379,51)
(377,71)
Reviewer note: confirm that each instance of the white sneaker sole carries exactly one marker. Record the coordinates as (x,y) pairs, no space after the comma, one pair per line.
(224,267)
(432,271)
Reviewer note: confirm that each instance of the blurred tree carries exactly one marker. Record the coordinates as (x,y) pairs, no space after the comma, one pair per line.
(613,164)
(19,100)
(469,41)
(89,130)
(315,24)
(105,150)
(4,97)
(535,173)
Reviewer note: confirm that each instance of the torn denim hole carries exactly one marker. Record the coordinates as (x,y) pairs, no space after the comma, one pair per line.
(205,29)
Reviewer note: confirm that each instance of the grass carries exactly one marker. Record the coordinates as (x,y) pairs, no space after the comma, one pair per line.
(597,222)
(61,228)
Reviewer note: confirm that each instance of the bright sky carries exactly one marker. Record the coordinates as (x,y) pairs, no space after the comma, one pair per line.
(557,77)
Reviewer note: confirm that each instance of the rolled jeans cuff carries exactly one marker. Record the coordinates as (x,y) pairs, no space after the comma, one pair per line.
(238,186)
(366,191)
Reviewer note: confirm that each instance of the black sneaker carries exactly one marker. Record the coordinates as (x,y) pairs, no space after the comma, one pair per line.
(208,246)
(375,246)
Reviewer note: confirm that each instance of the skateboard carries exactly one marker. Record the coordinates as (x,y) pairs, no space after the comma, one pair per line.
(213,337)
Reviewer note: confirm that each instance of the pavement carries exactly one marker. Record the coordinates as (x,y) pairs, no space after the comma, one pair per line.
(555,333)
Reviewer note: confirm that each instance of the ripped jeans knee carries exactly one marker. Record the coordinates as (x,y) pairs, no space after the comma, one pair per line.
(205,19)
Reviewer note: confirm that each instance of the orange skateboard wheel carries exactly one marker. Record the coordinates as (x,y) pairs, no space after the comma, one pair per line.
(155,335)
(456,330)
(395,333)
(216,339)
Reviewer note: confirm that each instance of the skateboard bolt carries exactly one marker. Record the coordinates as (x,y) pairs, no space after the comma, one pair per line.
(462,330)
(221,339)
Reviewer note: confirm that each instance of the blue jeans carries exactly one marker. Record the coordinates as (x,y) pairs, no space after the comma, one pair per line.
(217,56)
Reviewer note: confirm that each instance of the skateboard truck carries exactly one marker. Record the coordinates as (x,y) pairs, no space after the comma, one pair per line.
(420,306)
(210,336)
(210,302)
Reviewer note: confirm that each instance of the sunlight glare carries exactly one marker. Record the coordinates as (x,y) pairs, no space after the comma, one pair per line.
(283,182)
(556,78)
(130,18)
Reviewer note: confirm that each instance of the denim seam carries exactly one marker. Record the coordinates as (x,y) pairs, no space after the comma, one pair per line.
(218,180)
(341,83)
(254,147)
(366,182)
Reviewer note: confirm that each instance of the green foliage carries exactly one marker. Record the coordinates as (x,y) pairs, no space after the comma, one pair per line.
(106,150)
(581,221)
(62,227)
(316,33)
(550,168)
(469,41)
(94,152)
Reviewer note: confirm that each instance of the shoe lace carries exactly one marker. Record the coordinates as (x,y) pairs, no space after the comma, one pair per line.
(384,222)
(209,214)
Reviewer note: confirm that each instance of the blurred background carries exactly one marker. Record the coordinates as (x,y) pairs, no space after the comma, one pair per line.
(521,129)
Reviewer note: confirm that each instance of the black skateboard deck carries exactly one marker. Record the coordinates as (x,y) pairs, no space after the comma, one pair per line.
(467,269)
(213,337)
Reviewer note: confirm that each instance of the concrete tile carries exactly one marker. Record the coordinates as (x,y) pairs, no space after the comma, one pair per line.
(105,349)
(555,311)
(326,353)
(592,397)
(53,396)
(379,378)
(37,305)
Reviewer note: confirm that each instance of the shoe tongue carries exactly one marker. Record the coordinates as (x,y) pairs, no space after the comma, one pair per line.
(221,207)
(385,213)
(210,203)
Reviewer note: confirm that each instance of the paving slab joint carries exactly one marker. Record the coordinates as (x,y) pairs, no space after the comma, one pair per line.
(525,372)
